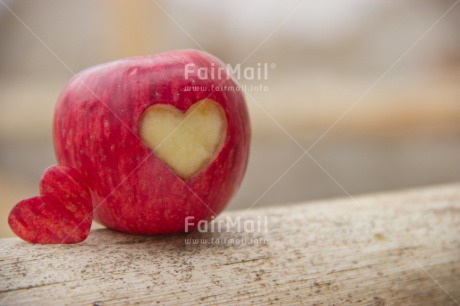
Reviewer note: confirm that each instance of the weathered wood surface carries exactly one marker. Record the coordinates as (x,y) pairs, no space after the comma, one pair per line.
(394,249)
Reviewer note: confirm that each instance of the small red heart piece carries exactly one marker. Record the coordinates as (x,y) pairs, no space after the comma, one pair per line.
(61,214)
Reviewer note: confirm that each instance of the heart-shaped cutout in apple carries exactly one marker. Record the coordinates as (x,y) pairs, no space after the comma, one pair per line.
(188,141)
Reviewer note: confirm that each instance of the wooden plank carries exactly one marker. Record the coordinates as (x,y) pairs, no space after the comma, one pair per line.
(393,249)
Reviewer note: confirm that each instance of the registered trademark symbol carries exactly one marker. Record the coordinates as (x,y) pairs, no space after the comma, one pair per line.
(272,66)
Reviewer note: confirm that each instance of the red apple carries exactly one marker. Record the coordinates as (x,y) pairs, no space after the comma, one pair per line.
(157,139)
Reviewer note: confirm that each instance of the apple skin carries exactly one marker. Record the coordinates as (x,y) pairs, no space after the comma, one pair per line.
(96,131)
(62,213)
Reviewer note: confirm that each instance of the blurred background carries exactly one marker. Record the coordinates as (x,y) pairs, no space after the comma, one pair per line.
(370,89)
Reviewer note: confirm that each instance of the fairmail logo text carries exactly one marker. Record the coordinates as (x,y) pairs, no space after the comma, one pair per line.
(217,72)
(228,224)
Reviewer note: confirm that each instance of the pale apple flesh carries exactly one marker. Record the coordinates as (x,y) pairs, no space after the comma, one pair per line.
(189,141)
